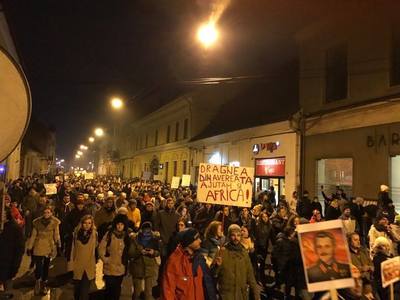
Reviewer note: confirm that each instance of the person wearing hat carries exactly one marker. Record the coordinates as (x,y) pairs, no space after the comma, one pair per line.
(104,216)
(113,251)
(233,269)
(349,223)
(182,280)
(134,213)
(143,266)
(149,214)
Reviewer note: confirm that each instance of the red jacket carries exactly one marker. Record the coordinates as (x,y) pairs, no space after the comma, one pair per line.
(178,280)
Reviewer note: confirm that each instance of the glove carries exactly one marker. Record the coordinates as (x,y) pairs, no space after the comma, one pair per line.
(29,252)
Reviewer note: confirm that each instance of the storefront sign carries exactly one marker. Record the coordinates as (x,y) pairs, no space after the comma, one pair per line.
(225,185)
(270,147)
(382,140)
(273,167)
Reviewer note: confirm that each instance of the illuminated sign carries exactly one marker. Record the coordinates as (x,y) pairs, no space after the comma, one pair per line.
(273,167)
(270,147)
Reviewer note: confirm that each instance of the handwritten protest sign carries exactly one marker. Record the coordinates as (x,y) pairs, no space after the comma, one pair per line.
(225,185)
(185,180)
(89,175)
(51,188)
(175,182)
(158,177)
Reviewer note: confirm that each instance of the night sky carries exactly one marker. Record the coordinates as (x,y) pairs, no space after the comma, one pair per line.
(77,55)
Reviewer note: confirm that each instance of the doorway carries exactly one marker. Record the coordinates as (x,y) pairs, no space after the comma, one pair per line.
(264,182)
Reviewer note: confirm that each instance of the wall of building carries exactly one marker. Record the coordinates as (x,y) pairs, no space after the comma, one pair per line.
(369,46)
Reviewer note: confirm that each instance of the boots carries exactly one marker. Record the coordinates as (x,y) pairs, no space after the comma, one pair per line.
(38,287)
(44,289)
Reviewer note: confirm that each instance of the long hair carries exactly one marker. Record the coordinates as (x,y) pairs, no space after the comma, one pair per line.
(212,229)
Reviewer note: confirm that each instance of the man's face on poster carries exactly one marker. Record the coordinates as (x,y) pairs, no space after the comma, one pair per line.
(325,249)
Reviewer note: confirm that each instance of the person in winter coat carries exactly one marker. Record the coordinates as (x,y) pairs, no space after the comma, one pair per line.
(224,217)
(12,205)
(316,217)
(233,269)
(279,221)
(381,251)
(263,234)
(281,255)
(43,245)
(360,256)
(304,206)
(213,241)
(182,280)
(83,257)
(174,239)
(349,223)
(381,228)
(165,224)
(134,214)
(71,221)
(11,250)
(149,214)
(29,206)
(245,219)
(143,266)
(104,217)
(332,211)
(203,217)
(113,251)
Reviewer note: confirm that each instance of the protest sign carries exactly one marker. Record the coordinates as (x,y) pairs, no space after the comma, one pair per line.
(390,271)
(146,175)
(89,175)
(185,180)
(225,185)
(158,177)
(51,188)
(175,182)
(326,256)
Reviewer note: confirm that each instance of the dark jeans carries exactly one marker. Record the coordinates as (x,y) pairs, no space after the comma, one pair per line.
(260,257)
(113,286)
(42,264)
(82,288)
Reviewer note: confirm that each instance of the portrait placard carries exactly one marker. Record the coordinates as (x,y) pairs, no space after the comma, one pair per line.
(390,271)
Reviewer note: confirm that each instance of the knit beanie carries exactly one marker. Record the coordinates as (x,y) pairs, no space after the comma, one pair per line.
(188,236)
(233,228)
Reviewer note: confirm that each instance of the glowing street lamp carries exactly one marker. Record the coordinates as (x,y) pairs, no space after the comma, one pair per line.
(99,132)
(77,156)
(83,147)
(117,103)
(207,34)
(91,139)
(80,153)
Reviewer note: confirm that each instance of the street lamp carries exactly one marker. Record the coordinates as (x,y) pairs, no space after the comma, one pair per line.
(99,132)
(117,103)
(207,34)
(77,156)
(79,153)
(91,139)
(83,147)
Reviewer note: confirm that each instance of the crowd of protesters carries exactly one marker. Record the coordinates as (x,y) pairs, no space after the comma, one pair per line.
(165,238)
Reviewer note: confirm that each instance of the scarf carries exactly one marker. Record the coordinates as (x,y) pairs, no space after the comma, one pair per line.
(231,246)
(45,221)
(84,236)
(144,239)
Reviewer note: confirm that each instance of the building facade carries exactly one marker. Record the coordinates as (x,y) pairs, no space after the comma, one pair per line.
(350,93)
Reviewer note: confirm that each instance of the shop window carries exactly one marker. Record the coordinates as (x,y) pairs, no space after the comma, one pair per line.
(168,134)
(334,172)
(177,131)
(395,181)
(175,168)
(185,128)
(395,59)
(336,73)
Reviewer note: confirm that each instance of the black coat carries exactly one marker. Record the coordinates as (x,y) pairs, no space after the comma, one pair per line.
(304,208)
(332,213)
(203,218)
(11,250)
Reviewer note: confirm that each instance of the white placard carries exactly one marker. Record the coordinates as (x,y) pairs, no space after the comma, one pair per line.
(175,182)
(186,180)
(51,188)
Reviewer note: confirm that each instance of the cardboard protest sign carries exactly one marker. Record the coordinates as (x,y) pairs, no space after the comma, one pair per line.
(146,175)
(158,178)
(390,271)
(185,180)
(175,182)
(326,256)
(89,175)
(51,188)
(225,185)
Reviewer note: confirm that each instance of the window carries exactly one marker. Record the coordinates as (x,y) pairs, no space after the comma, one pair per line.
(156,138)
(334,172)
(395,59)
(168,133)
(184,166)
(336,73)
(147,141)
(185,128)
(177,131)
(166,165)
(175,167)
